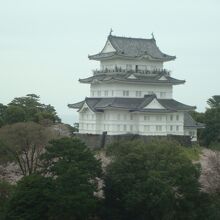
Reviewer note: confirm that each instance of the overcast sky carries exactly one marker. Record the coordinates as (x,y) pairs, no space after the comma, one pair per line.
(44,45)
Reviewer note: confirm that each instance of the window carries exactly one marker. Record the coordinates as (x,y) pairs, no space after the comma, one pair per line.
(112,92)
(106,116)
(128,67)
(158,128)
(142,67)
(125,117)
(99,93)
(162,94)
(159,118)
(93,93)
(150,92)
(171,127)
(147,118)
(106,93)
(171,118)
(131,127)
(177,128)
(125,127)
(146,127)
(138,93)
(105,127)
(118,116)
(177,117)
(125,93)
(118,127)
(131,117)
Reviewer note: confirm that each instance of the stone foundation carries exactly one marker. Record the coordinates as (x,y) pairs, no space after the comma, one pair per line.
(96,141)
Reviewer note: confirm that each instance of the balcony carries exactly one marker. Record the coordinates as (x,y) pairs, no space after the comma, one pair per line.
(119,70)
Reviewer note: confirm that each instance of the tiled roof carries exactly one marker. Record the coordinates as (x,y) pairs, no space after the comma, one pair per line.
(124,77)
(132,104)
(133,48)
(189,122)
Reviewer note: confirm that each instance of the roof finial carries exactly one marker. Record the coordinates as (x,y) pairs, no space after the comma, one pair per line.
(152,34)
(110,32)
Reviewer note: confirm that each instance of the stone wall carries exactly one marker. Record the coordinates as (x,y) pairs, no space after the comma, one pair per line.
(96,141)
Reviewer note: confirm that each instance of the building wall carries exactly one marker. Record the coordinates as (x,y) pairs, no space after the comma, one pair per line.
(192,132)
(130,90)
(123,122)
(96,140)
(143,64)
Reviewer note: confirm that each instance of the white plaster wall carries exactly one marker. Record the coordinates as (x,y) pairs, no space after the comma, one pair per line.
(175,123)
(87,121)
(123,122)
(108,48)
(143,64)
(116,90)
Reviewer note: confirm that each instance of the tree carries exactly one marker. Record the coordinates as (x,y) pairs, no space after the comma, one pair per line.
(211,133)
(75,171)
(150,181)
(23,143)
(6,190)
(31,200)
(214,102)
(2,113)
(14,114)
(211,119)
(28,108)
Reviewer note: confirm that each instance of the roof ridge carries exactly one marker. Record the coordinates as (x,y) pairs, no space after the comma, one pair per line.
(133,38)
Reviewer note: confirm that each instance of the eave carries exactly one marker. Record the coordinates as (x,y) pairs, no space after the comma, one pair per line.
(132,81)
(115,55)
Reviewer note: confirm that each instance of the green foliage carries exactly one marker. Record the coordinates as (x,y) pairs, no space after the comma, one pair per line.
(215,146)
(2,113)
(28,108)
(211,119)
(31,200)
(76,170)
(150,181)
(67,191)
(192,153)
(14,114)
(214,102)
(6,190)
(212,131)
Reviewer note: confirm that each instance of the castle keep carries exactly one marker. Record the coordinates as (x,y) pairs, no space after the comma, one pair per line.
(133,93)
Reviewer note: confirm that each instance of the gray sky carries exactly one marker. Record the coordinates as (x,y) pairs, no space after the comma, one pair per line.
(44,45)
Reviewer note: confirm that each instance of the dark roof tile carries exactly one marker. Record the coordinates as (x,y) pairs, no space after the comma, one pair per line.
(134,47)
(132,104)
(189,122)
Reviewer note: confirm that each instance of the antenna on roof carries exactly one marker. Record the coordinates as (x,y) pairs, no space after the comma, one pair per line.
(111,31)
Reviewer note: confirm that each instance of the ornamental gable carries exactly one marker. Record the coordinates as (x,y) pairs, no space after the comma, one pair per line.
(154,104)
(108,48)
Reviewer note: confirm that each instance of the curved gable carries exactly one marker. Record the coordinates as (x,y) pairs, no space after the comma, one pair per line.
(108,48)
